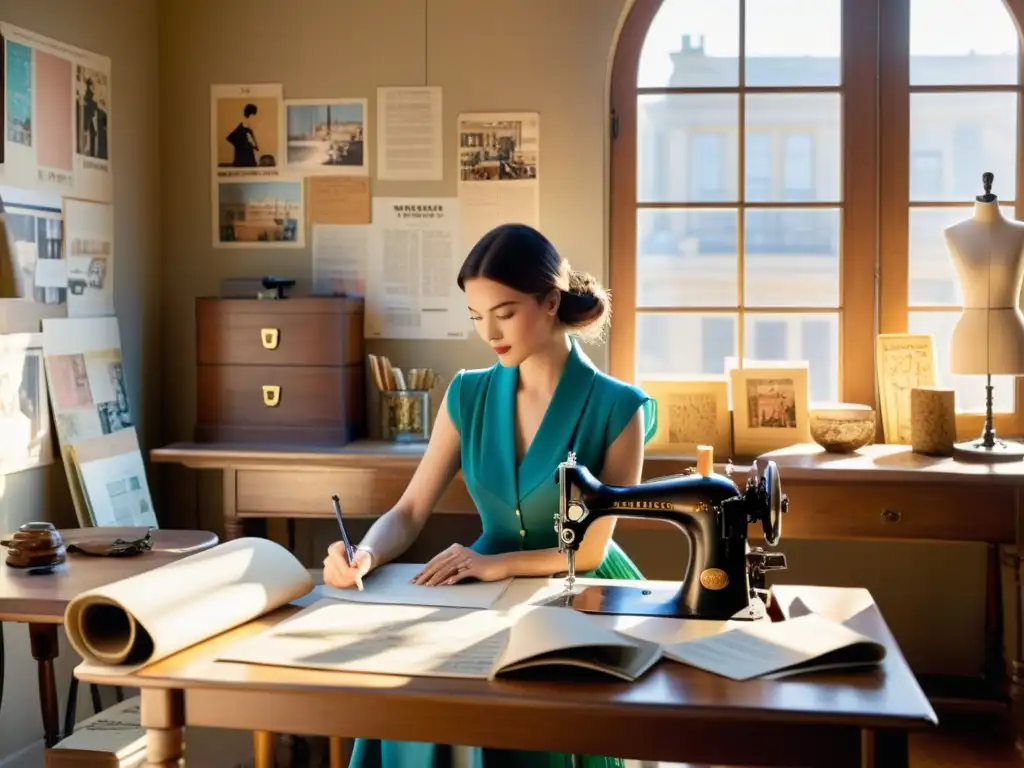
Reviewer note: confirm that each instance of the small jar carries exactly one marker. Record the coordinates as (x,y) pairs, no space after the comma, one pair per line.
(405,415)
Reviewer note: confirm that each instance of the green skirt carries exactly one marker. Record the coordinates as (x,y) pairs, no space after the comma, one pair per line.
(371,753)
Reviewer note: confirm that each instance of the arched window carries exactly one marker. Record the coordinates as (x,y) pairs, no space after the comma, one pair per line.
(782,170)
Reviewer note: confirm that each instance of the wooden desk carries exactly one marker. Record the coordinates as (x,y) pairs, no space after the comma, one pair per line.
(40,601)
(883,492)
(674,713)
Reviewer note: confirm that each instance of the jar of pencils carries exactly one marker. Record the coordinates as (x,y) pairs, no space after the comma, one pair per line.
(405,415)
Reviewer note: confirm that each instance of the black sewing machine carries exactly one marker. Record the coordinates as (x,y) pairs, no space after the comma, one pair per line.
(723,574)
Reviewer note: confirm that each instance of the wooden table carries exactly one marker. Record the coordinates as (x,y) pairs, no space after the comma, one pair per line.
(674,713)
(40,601)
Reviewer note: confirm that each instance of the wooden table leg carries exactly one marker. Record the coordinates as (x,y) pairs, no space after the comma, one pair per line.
(43,640)
(884,748)
(163,716)
(341,751)
(262,749)
(233,527)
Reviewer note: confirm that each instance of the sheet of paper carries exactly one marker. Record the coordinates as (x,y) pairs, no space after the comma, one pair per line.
(499,172)
(409,134)
(183,603)
(762,648)
(388,640)
(51,273)
(543,630)
(89,245)
(25,437)
(391,584)
(338,200)
(414,261)
(117,490)
(340,255)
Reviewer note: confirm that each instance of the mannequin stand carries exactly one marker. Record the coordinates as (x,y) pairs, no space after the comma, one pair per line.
(989,448)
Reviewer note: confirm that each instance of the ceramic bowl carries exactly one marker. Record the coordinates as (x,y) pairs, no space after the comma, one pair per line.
(842,427)
(36,547)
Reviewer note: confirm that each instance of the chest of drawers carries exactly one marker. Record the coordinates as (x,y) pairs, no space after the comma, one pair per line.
(280,371)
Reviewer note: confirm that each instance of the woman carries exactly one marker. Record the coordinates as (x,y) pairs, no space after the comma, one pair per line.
(508,427)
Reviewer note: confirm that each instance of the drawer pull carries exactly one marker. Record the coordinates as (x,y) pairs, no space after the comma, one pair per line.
(271,395)
(891,516)
(270,337)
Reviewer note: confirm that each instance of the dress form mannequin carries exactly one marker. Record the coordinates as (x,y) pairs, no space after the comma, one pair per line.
(987,251)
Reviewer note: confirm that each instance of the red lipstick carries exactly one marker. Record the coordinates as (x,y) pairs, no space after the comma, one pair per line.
(501,350)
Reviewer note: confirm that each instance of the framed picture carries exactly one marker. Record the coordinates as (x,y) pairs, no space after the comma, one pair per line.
(691,412)
(769,408)
(904,361)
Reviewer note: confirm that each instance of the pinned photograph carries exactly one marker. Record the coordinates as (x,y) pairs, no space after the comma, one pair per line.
(89,252)
(497,150)
(92,104)
(35,268)
(19,94)
(247,130)
(327,136)
(259,214)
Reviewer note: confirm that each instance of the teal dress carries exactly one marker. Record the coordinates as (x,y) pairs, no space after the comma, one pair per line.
(517,505)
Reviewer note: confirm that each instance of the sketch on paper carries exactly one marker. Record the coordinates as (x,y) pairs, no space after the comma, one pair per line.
(89,252)
(36,268)
(497,150)
(25,438)
(692,418)
(114,483)
(247,130)
(771,403)
(259,213)
(905,362)
(690,412)
(89,394)
(327,136)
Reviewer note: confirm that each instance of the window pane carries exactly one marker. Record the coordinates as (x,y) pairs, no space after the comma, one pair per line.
(963,42)
(805,130)
(687,148)
(798,336)
(791,257)
(933,280)
(692,44)
(970,390)
(686,258)
(972,133)
(684,344)
(793,42)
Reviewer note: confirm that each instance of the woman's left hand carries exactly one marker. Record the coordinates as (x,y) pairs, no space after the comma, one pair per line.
(458,563)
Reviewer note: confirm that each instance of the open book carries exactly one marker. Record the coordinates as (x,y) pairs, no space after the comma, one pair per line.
(428,641)
(771,650)
(137,621)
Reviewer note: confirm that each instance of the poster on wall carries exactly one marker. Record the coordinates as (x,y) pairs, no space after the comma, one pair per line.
(57,117)
(246,131)
(411,288)
(499,161)
(260,213)
(89,253)
(326,136)
(34,267)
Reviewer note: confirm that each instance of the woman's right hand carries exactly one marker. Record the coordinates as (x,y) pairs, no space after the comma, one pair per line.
(339,572)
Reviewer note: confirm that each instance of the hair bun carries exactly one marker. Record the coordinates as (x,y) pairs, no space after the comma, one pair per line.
(585,307)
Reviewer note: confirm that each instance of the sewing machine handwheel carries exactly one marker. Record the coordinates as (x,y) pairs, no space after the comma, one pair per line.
(774,501)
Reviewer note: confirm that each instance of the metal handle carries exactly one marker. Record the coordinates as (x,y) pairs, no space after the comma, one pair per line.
(270,337)
(891,516)
(271,395)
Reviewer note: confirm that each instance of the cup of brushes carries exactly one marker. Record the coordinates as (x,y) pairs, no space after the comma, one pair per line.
(404,400)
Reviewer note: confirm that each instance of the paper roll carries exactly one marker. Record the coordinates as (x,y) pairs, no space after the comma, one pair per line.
(932,421)
(705,460)
(140,620)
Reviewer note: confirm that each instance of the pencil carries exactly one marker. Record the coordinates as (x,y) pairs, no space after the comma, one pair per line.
(350,552)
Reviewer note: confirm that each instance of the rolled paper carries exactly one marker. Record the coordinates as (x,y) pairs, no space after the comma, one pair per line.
(932,421)
(705,460)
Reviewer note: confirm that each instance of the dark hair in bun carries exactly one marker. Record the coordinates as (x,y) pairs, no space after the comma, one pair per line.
(521,258)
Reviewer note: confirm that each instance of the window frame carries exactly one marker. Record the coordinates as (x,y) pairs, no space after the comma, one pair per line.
(875,188)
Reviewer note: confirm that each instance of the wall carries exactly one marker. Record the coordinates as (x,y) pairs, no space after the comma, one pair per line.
(42,494)
(530,55)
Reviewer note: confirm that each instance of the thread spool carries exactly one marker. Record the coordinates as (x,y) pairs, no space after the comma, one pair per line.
(932,421)
(705,460)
